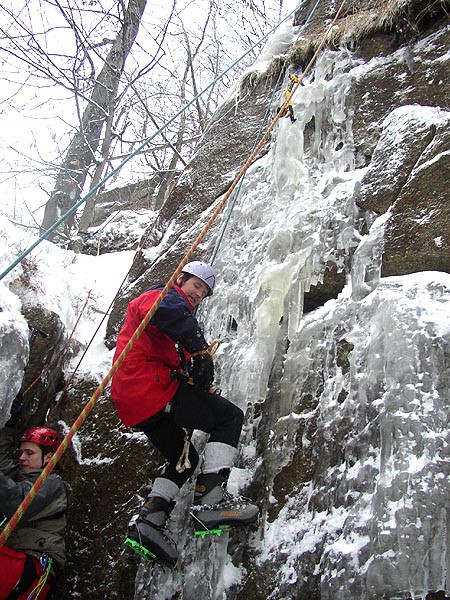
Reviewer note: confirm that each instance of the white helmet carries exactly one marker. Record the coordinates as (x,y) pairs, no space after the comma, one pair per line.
(203,271)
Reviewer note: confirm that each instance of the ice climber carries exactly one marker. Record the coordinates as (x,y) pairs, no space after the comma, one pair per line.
(290,111)
(35,550)
(153,394)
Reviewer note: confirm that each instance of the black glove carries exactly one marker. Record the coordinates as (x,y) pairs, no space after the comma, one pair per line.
(16,409)
(203,371)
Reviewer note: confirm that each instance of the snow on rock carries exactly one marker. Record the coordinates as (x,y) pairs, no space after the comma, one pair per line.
(277,44)
(76,287)
(13,350)
(406,133)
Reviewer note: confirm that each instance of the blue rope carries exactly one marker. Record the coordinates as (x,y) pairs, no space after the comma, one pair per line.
(263,123)
(140,147)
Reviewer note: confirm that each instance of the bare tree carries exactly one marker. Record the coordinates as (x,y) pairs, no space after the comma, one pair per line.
(119,108)
(98,112)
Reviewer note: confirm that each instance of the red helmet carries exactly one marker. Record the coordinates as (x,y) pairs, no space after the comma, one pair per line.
(42,436)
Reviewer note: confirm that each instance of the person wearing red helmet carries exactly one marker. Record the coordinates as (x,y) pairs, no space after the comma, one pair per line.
(35,550)
(37,446)
(153,394)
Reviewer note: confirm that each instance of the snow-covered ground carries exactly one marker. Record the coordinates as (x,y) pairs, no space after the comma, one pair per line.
(60,281)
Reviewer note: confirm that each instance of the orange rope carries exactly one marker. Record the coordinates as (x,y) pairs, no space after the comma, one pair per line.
(14,520)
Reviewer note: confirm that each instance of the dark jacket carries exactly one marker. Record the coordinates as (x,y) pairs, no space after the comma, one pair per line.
(143,384)
(41,529)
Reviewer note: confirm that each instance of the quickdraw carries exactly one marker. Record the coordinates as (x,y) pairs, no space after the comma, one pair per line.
(46,563)
(210,350)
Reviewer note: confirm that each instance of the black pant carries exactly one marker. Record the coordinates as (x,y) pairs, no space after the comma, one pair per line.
(192,408)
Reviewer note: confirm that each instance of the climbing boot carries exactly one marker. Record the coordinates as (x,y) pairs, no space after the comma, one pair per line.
(149,536)
(214,508)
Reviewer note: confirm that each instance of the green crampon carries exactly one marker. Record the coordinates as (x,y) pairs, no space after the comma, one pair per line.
(136,547)
(218,531)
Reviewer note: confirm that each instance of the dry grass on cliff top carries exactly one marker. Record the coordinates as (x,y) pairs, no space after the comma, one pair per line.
(396,16)
(405,18)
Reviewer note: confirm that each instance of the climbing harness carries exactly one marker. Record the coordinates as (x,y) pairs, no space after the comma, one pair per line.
(14,520)
(33,568)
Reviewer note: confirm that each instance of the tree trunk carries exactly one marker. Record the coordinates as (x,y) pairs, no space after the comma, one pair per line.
(81,153)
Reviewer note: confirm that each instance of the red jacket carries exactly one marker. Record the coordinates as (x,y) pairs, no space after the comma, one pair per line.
(143,386)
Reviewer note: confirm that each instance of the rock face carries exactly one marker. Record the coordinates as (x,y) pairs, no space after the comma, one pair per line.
(108,471)
(34,354)
(48,339)
(333,286)
(413,153)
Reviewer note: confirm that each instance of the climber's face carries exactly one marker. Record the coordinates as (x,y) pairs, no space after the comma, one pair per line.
(195,289)
(31,456)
